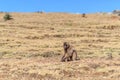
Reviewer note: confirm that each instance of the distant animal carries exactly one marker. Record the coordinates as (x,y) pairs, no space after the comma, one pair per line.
(69,51)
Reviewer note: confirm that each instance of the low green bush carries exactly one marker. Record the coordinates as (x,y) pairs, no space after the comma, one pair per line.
(7,17)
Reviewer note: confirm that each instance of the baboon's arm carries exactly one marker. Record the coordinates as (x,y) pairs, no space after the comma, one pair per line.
(63,56)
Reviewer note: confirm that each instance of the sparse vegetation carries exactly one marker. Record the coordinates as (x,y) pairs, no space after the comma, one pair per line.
(49,54)
(7,16)
(84,15)
(110,56)
(40,12)
(31,47)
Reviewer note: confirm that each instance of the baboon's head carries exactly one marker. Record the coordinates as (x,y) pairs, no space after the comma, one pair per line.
(66,45)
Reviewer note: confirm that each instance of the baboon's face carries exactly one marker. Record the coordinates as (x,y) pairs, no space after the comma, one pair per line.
(66,45)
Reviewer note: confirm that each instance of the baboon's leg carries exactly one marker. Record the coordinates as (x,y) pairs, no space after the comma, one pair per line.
(65,57)
(68,58)
(71,58)
(76,56)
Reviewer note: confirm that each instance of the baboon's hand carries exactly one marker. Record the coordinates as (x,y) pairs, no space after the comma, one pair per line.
(62,60)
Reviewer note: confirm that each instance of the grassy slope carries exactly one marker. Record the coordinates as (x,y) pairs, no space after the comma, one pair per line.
(25,40)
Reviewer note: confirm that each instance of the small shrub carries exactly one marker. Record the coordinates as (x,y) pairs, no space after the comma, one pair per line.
(84,15)
(7,17)
(40,12)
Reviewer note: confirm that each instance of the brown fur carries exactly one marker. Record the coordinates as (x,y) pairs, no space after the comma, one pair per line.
(69,51)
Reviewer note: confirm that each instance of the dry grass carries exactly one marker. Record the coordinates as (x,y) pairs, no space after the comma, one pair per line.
(31,46)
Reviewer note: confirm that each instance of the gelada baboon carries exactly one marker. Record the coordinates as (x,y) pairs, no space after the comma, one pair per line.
(69,51)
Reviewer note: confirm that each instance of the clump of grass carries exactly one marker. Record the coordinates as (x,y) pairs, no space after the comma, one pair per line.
(4,53)
(94,66)
(7,16)
(45,54)
(59,35)
(49,54)
(40,12)
(109,56)
(32,37)
(34,55)
(83,15)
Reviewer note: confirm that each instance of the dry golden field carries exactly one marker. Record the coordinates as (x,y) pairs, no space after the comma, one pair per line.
(31,46)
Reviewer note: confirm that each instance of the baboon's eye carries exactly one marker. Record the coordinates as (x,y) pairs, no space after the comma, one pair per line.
(65,46)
